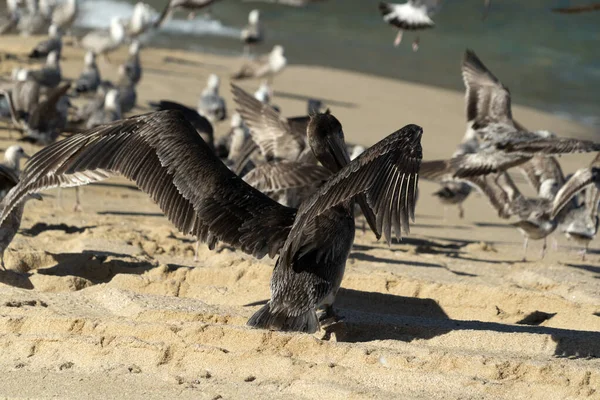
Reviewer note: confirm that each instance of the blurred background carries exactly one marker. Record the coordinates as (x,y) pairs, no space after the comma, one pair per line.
(549,61)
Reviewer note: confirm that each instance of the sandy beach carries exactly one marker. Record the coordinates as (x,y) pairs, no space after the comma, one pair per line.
(109,303)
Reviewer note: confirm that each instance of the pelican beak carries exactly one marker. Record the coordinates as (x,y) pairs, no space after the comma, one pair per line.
(338,151)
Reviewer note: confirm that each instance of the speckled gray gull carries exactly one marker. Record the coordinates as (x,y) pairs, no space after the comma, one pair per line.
(89,79)
(104,41)
(50,74)
(202,197)
(264,67)
(110,112)
(211,104)
(53,43)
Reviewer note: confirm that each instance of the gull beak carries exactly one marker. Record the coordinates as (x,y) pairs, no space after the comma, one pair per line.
(26,156)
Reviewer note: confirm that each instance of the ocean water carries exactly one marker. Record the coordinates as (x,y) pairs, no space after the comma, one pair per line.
(549,61)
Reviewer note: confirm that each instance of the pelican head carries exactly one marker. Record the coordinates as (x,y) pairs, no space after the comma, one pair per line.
(89,59)
(326,139)
(213,82)
(254,17)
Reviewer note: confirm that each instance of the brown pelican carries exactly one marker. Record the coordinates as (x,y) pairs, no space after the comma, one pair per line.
(163,154)
(265,67)
(211,105)
(253,32)
(89,80)
(413,15)
(54,43)
(578,9)
(64,14)
(192,6)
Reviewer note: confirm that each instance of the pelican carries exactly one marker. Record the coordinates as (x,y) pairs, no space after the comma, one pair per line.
(105,41)
(65,14)
(211,105)
(202,197)
(265,67)
(9,177)
(192,6)
(54,43)
(89,80)
(253,32)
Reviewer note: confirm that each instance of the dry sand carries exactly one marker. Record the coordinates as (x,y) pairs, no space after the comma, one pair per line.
(108,302)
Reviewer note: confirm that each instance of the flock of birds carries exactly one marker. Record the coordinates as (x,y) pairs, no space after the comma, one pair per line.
(286,187)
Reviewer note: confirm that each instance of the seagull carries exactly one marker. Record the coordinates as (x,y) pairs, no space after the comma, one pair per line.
(32,22)
(105,41)
(110,112)
(65,14)
(253,32)
(192,6)
(264,93)
(211,105)
(95,104)
(141,20)
(202,197)
(581,222)
(54,43)
(89,80)
(126,87)
(133,64)
(265,67)
(413,15)
(50,75)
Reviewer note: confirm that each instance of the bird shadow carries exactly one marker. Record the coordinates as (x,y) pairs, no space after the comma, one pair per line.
(590,268)
(16,279)
(327,102)
(492,225)
(438,226)
(183,61)
(41,227)
(369,316)
(131,213)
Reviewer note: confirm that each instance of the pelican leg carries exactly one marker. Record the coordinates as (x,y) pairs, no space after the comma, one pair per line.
(415,45)
(398,39)
(461,211)
(330,322)
(525,243)
(544,247)
(584,252)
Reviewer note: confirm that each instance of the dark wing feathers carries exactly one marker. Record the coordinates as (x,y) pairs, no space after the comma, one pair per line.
(387,173)
(548,146)
(272,133)
(162,153)
(271,177)
(580,179)
(488,100)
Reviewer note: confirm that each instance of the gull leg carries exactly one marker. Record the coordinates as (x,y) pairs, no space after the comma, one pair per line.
(544,247)
(196,250)
(77,207)
(525,243)
(584,252)
(554,244)
(415,45)
(461,211)
(398,39)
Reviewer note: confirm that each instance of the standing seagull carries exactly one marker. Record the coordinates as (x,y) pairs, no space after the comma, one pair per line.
(54,43)
(105,41)
(211,105)
(89,80)
(266,67)
(133,64)
(141,20)
(65,14)
(192,6)
(413,15)
(253,32)
(50,75)
(202,197)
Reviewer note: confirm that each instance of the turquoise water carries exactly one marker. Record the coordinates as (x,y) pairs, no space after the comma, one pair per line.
(549,61)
